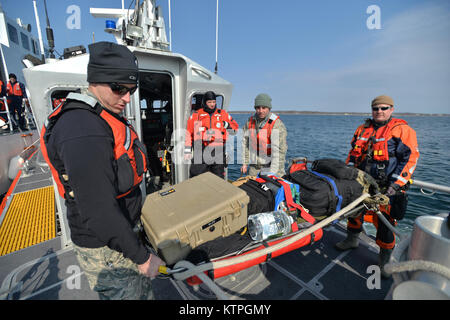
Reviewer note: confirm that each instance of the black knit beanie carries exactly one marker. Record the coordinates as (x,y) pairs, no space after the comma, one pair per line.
(209,95)
(110,62)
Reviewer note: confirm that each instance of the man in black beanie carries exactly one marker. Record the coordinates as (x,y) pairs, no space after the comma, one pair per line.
(98,163)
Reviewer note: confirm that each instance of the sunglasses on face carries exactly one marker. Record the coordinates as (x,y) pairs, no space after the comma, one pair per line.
(378,108)
(120,89)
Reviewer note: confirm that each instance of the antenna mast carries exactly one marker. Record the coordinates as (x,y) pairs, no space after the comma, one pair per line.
(217,33)
(49,31)
(170,28)
(142,27)
(38,24)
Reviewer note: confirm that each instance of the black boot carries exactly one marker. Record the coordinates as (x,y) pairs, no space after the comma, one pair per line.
(383,259)
(351,242)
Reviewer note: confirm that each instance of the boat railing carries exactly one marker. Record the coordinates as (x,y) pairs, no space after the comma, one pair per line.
(27,114)
(433,187)
(8,114)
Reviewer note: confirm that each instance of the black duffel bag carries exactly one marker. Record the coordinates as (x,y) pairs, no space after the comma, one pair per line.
(262,196)
(324,194)
(335,168)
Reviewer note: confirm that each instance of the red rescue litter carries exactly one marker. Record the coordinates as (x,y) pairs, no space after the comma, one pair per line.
(225,271)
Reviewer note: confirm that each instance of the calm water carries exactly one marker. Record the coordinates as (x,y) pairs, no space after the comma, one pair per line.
(322,136)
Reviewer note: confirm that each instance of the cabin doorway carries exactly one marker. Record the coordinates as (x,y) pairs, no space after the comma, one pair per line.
(156,111)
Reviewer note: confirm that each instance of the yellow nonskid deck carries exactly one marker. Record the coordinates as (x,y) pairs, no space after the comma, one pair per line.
(29,220)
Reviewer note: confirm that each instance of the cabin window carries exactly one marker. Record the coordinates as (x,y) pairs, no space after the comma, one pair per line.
(34,46)
(25,42)
(13,35)
(58,97)
(196,101)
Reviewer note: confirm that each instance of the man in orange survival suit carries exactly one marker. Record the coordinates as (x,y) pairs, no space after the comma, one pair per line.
(387,149)
(207,132)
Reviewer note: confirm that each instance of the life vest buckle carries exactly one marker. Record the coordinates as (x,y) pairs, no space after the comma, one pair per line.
(381,166)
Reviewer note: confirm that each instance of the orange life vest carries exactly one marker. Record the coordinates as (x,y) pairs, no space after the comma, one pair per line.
(260,142)
(129,152)
(14,90)
(373,143)
(208,128)
(58,102)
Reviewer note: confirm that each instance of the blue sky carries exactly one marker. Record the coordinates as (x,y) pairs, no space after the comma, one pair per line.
(307,55)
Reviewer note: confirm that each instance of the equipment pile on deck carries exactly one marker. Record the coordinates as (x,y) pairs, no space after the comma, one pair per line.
(204,219)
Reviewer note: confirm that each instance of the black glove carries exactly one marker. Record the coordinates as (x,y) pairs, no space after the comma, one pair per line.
(392,190)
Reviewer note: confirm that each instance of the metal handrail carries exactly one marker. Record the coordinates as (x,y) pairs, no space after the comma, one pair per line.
(429,186)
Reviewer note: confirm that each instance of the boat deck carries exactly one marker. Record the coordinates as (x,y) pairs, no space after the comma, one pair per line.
(317,272)
(29,214)
(48,269)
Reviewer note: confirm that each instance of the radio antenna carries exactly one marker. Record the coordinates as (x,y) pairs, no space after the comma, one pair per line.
(217,33)
(49,31)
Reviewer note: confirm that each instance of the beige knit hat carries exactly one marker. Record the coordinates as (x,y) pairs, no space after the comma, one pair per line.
(383,100)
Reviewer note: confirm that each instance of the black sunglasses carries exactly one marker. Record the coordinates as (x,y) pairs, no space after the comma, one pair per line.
(121,90)
(382,108)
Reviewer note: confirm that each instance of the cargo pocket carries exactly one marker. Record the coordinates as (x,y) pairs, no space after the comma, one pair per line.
(125,175)
(399,202)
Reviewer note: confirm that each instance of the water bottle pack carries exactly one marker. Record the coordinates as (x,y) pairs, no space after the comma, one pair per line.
(266,225)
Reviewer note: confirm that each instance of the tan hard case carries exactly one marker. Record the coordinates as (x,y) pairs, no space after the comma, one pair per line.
(195,211)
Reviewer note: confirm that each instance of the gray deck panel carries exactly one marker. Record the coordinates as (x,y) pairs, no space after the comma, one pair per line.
(314,272)
(348,280)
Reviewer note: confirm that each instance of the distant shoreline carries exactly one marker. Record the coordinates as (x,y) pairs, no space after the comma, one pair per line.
(345,113)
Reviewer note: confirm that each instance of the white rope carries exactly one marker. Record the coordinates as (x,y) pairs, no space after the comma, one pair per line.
(206,280)
(417,265)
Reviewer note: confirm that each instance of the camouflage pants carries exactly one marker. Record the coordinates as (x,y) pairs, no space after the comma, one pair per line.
(112,275)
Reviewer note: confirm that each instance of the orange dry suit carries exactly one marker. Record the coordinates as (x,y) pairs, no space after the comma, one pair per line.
(130,154)
(208,131)
(389,153)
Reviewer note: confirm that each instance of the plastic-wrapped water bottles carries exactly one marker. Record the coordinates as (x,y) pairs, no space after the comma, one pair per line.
(264,225)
